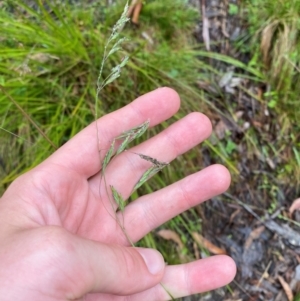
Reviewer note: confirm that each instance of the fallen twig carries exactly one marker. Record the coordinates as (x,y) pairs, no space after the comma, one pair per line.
(134,10)
(205,30)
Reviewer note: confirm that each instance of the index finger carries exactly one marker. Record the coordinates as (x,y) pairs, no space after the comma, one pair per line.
(81,153)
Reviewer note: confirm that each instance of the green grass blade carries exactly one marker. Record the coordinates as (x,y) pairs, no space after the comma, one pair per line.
(28,117)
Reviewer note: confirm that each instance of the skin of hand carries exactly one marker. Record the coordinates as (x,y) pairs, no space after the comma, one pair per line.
(59,240)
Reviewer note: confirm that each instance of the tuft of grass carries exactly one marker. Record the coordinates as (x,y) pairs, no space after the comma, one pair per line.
(275,44)
(277,25)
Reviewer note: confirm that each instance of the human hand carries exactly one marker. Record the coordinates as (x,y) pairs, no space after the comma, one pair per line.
(58,239)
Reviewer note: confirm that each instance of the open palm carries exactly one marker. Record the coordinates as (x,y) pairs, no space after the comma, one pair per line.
(59,239)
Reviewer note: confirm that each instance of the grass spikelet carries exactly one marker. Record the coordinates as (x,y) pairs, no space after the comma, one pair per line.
(142,129)
(135,132)
(147,174)
(154,161)
(118,198)
(123,145)
(120,24)
(108,156)
(132,134)
(154,169)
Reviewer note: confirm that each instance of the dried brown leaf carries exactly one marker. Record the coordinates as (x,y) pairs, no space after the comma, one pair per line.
(271,163)
(171,235)
(220,129)
(42,57)
(131,7)
(286,288)
(238,115)
(254,235)
(267,36)
(234,214)
(196,250)
(205,243)
(136,13)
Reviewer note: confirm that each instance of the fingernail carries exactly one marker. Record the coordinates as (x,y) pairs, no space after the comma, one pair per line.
(153,259)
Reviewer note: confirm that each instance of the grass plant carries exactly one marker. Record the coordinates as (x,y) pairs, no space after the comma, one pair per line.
(277,25)
(275,28)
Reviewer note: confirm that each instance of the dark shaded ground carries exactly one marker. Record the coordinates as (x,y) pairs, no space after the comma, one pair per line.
(264,246)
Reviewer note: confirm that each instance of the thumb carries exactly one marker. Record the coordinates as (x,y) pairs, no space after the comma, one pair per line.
(114,269)
(50,261)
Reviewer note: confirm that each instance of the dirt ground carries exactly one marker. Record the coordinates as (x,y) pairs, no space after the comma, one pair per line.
(265,247)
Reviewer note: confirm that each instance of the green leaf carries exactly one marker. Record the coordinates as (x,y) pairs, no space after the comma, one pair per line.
(233,9)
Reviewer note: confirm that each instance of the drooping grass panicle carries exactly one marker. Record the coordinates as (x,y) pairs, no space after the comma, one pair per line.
(115,73)
(127,136)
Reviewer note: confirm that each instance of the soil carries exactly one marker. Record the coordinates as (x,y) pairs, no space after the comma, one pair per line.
(264,245)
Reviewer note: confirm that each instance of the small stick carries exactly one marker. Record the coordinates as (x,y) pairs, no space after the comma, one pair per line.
(131,7)
(136,12)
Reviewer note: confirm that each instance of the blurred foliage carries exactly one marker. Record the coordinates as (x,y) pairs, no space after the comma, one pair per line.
(277,24)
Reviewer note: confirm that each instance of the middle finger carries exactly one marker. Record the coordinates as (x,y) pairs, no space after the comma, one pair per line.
(125,170)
